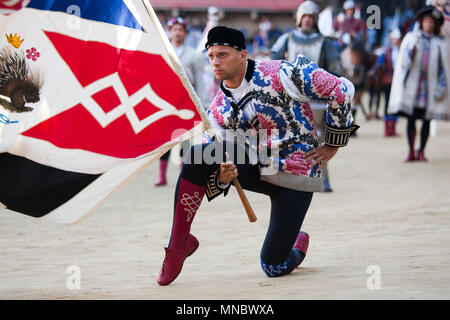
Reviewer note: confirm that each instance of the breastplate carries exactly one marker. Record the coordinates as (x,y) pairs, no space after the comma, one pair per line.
(309,49)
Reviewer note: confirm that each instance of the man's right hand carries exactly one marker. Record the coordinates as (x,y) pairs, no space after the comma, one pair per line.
(228,171)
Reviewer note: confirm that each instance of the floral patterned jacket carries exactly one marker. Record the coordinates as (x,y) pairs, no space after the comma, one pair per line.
(279,94)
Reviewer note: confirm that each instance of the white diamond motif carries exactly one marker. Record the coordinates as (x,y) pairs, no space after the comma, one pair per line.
(127,104)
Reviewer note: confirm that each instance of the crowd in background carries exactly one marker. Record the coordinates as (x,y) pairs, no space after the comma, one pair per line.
(267,32)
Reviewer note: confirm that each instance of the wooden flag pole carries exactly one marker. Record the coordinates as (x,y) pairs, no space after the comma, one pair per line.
(248,208)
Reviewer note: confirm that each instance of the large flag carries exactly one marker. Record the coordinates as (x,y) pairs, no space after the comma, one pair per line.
(91,93)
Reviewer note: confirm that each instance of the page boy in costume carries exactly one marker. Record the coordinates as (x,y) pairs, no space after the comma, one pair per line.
(270,96)
(384,69)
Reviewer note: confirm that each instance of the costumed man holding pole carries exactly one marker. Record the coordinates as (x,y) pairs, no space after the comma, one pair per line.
(307,40)
(270,98)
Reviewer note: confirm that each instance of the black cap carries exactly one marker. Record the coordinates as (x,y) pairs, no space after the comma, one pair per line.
(432,12)
(226,37)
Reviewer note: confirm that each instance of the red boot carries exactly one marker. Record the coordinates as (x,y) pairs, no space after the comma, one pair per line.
(394,129)
(162,181)
(173,262)
(386,128)
(188,198)
(302,242)
(390,128)
(411,157)
(421,156)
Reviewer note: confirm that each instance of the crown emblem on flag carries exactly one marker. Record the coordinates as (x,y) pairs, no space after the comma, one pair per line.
(15,40)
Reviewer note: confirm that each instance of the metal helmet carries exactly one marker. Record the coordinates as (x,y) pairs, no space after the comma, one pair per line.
(349,4)
(308,7)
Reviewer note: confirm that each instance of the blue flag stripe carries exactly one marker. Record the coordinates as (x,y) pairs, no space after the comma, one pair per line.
(110,11)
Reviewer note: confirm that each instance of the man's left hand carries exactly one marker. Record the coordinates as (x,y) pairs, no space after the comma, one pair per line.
(321,154)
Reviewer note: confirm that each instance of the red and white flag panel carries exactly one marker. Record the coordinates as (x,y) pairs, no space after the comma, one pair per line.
(90,92)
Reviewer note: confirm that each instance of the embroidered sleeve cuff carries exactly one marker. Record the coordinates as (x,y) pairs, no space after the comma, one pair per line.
(214,188)
(337,137)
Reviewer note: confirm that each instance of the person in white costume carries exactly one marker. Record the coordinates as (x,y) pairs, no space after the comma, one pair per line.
(420,86)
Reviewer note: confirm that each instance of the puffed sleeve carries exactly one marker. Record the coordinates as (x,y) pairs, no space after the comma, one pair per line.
(304,81)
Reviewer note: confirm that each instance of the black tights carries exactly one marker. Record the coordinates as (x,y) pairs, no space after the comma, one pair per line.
(288,208)
(411,129)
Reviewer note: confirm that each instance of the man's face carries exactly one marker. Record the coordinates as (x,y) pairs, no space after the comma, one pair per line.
(396,42)
(428,24)
(307,22)
(226,61)
(178,33)
(349,12)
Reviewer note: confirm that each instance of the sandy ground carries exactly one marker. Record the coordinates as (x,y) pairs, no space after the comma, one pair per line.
(383,213)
